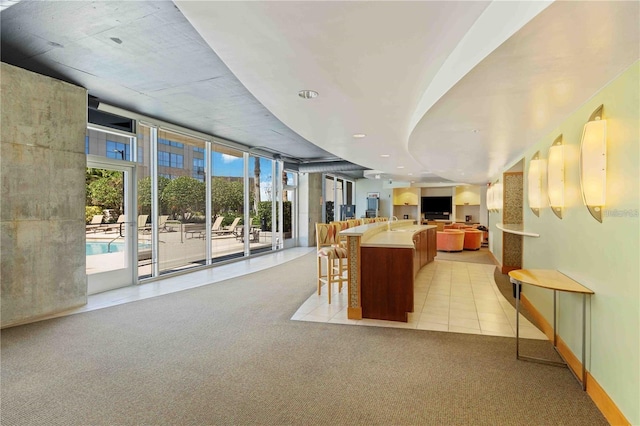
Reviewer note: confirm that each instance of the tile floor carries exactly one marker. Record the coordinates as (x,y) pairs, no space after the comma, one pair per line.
(448,296)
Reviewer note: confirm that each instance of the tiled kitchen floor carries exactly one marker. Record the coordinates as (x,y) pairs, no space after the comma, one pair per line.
(449,296)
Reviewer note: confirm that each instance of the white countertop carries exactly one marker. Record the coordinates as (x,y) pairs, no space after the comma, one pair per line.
(376,234)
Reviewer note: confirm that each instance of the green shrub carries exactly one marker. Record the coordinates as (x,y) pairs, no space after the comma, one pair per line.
(90,211)
(264,212)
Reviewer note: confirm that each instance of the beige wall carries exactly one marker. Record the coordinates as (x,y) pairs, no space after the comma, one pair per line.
(363,187)
(601,256)
(42,169)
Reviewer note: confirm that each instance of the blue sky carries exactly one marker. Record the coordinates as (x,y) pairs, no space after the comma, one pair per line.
(228,165)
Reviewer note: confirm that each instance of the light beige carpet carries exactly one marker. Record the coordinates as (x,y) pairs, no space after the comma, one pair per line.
(227,354)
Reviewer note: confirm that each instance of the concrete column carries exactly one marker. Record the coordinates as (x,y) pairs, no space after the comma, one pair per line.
(310,193)
(42,173)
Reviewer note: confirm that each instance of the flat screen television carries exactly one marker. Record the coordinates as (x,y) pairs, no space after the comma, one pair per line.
(436,206)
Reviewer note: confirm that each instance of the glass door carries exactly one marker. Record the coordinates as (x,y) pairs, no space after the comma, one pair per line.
(112,227)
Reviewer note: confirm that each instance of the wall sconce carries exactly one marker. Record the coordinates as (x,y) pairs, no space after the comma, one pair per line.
(535,190)
(494,197)
(555,176)
(593,163)
(492,204)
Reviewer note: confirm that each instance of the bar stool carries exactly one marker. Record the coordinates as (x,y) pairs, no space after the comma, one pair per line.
(334,255)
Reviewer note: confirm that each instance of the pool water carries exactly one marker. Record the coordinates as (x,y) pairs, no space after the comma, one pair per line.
(101,247)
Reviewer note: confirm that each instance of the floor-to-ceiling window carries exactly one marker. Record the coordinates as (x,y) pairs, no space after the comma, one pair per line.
(261,235)
(198,200)
(181,211)
(290,208)
(144,192)
(227,202)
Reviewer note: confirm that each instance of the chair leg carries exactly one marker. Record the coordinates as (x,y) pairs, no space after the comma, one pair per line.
(341,268)
(329,274)
(319,274)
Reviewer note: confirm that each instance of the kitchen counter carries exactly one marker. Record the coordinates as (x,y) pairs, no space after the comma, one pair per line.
(382,267)
(401,236)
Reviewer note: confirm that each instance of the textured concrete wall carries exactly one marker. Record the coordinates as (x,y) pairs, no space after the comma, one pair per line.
(42,174)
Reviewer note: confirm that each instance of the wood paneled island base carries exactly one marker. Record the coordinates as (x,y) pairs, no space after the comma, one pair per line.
(383,262)
(387,283)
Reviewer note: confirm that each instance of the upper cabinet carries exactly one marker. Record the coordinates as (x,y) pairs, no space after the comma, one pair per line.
(406,196)
(468,195)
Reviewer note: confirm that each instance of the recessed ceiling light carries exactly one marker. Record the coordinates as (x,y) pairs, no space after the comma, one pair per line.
(401,167)
(308,94)
(410,174)
(384,155)
(359,135)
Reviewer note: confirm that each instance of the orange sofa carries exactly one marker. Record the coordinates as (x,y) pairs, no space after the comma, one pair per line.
(450,241)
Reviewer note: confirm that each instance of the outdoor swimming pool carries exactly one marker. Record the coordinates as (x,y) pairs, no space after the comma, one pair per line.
(100,247)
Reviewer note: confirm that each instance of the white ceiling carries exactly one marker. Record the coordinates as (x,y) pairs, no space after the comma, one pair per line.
(449,90)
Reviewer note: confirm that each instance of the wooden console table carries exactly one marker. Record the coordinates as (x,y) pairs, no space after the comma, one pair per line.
(556,281)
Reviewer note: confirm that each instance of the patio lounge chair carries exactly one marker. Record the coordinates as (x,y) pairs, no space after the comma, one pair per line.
(142,223)
(217,223)
(162,222)
(115,227)
(199,228)
(227,230)
(254,233)
(95,224)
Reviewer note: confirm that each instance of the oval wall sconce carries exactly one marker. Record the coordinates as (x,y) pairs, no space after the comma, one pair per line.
(593,163)
(494,197)
(535,186)
(490,198)
(499,199)
(555,176)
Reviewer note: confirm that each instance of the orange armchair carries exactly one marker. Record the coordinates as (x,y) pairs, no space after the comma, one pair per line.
(472,239)
(450,240)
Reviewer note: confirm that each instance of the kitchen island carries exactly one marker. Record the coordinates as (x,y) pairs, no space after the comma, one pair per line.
(383,261)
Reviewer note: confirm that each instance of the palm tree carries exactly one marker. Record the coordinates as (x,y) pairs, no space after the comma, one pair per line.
(256,184)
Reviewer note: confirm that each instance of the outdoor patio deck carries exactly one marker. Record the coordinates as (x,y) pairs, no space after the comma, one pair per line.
(176,251)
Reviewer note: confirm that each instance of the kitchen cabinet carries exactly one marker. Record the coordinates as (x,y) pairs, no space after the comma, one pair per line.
(425,248)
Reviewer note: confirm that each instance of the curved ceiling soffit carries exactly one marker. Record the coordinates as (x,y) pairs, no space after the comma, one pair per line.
(510,100)
(349,52)
(498,22)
